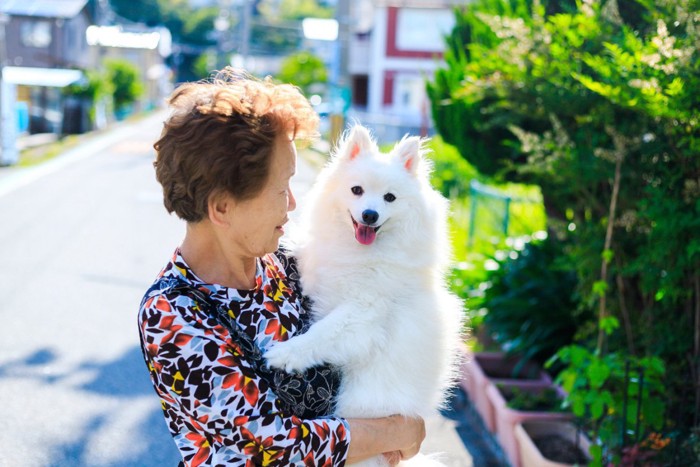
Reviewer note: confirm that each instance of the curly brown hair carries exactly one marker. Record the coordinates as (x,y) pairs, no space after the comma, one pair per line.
(220,137)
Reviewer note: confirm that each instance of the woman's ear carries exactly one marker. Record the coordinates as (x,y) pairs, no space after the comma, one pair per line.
(219,206)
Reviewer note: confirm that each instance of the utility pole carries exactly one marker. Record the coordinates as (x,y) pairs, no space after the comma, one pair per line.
(339,74)
(8,135)
(244,49)
(344,18)
(222,24)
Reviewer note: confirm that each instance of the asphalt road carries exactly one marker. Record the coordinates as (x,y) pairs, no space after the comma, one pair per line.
(81,238)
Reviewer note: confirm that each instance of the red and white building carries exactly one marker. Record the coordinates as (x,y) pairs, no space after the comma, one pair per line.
(394,48)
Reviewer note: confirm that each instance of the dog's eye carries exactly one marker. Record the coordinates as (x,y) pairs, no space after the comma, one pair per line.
(389,197)
(357,190)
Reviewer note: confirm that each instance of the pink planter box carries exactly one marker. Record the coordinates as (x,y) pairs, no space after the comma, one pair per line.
(481,368)
(506,418)
(530,455)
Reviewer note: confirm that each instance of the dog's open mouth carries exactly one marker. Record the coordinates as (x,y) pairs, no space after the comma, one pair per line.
(365,234)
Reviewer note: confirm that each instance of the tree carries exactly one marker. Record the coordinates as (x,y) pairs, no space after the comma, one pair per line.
(293,10)
(186,24)
(144,11)
(597,103)
(191,29)
(276,27)
(305,70)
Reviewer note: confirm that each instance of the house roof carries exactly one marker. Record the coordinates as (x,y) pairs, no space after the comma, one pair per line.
(43,8)
(51,77)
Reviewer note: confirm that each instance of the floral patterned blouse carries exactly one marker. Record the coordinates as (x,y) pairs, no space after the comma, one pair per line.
(217,409)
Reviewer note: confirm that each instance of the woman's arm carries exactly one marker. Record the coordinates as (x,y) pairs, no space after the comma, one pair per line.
(219,409)
(375,436)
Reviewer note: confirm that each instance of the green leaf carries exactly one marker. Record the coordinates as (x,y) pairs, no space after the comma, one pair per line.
(654,413)
(607,398)
(603,89)
(597,373)
(655,364)
(607,255)
(596,453)
(597,408)
(568,380)
(609,324)
(660,295)
(675,88)
(577,405)
(600,288)
(578,355)
(551,361)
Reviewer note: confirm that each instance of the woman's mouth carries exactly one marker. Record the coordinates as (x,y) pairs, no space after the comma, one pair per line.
(281,226)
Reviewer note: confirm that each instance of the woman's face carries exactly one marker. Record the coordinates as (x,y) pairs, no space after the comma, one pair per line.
(257,223)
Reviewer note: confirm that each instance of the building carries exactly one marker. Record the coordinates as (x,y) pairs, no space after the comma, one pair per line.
(393,48)
(42,46)
(46,33)
(143,46)
(46,45)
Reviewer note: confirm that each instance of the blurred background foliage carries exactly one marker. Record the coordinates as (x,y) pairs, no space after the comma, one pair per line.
(274,28)
(126,82)
(305,70)
(596,103)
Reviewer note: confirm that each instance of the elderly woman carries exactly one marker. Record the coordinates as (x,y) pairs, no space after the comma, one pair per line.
(225,159)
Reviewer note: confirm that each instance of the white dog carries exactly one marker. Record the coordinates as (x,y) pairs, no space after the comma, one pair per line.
(372,256)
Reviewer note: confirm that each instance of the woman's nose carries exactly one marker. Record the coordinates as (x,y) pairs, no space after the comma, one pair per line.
(292,205)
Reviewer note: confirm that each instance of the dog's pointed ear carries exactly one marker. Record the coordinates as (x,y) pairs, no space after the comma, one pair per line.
(356,141)
(409,152)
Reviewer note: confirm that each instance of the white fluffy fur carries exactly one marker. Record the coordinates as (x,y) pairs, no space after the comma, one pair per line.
(381,311)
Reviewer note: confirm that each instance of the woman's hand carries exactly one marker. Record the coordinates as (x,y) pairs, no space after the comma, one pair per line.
(371,437)
(416,426)
(393,458)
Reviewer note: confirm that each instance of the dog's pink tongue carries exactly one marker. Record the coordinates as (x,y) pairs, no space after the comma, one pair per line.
(365,234)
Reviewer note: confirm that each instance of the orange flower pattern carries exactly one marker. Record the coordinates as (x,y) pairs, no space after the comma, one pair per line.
(217,409)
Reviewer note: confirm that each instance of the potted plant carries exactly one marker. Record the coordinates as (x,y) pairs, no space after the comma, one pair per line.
(515,403)
(621,398)
(483,368)
(532,311)
(548,443)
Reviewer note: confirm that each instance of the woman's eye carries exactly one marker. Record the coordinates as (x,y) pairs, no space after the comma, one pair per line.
(357,190)
(389,197)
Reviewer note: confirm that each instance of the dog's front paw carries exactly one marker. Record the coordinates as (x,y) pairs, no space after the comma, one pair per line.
(292,356)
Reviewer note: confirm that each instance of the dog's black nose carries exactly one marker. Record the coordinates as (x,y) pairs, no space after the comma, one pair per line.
(369,216)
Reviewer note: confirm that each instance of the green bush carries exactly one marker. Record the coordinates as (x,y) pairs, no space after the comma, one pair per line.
(596,102)
(451,172)
(464,119)
(598,392)
(95,86)
(126,81)
(452,176)
(531,304)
